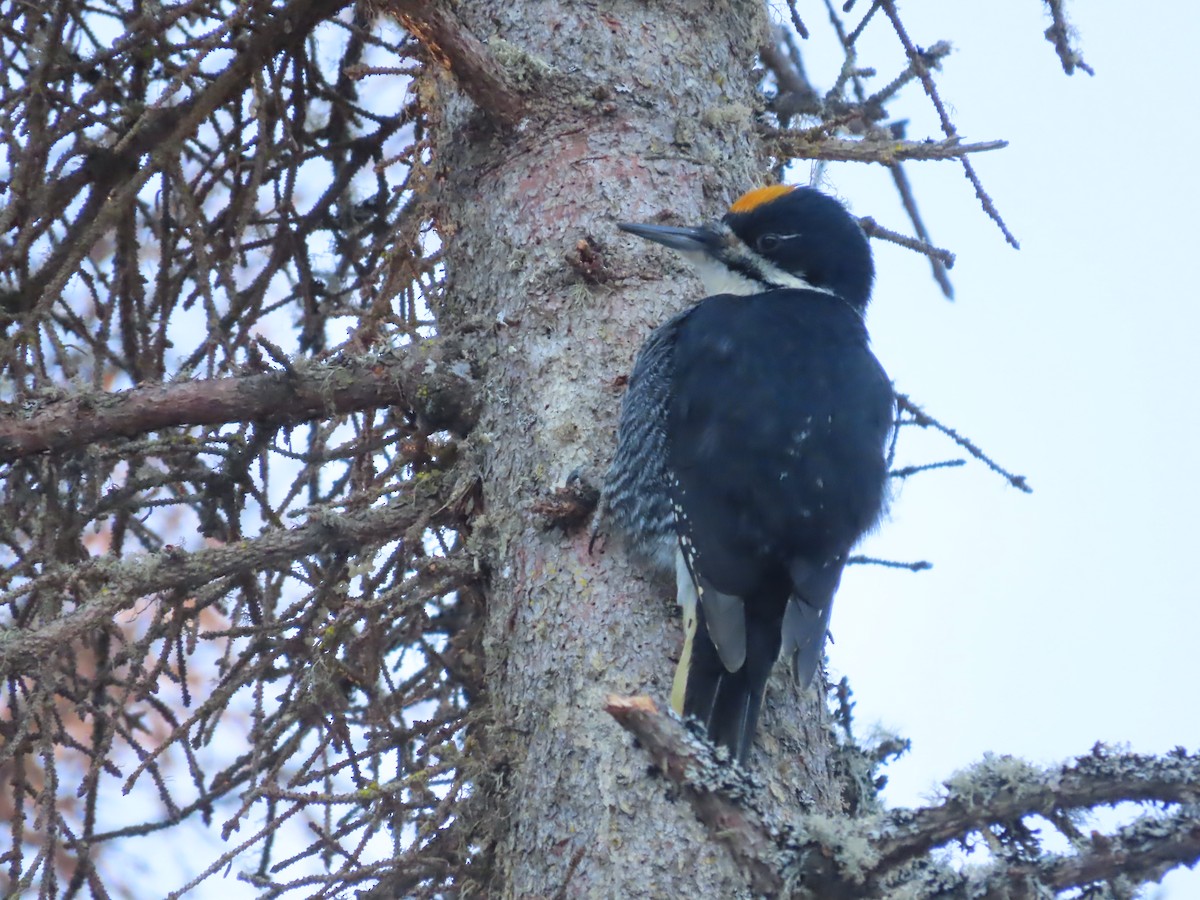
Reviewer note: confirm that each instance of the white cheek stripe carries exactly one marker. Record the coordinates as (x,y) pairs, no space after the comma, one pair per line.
(777,276)
(720,279)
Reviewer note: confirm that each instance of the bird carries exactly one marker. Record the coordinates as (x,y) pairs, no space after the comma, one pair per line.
(752,446)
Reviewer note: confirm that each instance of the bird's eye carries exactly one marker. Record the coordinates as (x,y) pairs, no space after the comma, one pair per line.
(769,242)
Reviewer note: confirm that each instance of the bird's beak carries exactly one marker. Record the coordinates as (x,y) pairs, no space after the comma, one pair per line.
(686,240)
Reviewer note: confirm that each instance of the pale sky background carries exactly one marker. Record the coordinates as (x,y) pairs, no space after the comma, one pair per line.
(1069,616)
(1054,620)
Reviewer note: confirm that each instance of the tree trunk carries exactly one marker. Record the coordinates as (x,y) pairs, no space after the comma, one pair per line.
(633,108)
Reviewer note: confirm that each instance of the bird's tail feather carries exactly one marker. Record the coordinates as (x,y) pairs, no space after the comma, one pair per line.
(728,703)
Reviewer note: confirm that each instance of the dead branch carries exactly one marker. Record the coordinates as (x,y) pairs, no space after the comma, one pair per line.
(1059,34)
(940,265)
(807,146)
(712,788)
(464,56)
(111,587)
(937,254)
(917,61)
(420,376)
(924,420)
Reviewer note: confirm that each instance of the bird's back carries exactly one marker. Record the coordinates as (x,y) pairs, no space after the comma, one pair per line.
(778,415)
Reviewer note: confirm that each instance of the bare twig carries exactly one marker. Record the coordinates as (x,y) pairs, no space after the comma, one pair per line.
(920,565)
(1059,34)
(939,265)
(924,420)
(918,63)
(801,28)
(909,471)
(874,229)
(858,29)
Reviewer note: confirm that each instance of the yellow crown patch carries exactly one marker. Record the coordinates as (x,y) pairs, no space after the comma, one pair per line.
(757,197)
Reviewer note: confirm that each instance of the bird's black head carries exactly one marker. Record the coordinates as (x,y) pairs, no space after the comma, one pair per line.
(775,237)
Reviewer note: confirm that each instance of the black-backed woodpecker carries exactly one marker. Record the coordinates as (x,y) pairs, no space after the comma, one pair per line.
(751,454)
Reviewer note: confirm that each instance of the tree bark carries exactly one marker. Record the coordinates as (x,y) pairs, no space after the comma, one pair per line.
(633,109)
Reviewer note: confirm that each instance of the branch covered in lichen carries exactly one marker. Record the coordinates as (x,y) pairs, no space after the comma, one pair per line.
(888,854)
(720,794)
(886,152)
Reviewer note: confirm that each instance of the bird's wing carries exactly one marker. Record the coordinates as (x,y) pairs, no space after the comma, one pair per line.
(806,619)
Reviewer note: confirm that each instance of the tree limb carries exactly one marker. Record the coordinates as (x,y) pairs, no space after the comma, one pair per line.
(426,377)
(874,856)
(808,146)
(1003,788)
(464,56)
(1143,851)
(111,587)
(712,788)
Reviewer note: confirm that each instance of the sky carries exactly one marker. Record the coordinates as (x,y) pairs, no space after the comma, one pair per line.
(1053,620)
